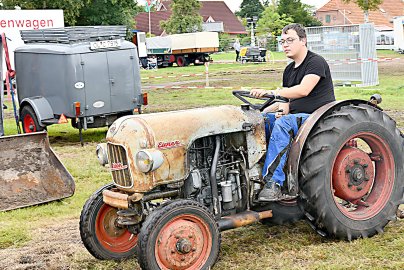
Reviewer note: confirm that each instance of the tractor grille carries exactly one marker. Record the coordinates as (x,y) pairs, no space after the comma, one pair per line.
(118,162)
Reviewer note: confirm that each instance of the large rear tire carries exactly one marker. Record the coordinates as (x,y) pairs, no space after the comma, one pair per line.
(29,120)
(351,174)
(99,233)
(180,235)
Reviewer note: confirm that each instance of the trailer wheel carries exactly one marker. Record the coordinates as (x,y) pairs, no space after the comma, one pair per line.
(179,235)
(351,177)
(99,233)
(29,120)
(181,61)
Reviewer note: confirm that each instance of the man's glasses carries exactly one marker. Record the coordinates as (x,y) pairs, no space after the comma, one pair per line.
(287,41)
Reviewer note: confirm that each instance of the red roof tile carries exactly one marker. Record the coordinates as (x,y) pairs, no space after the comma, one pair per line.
(218,10)
(354,13)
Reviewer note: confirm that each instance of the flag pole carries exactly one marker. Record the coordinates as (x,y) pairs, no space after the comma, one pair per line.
(149,24)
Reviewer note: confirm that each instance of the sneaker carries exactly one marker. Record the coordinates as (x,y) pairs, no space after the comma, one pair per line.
(270,192)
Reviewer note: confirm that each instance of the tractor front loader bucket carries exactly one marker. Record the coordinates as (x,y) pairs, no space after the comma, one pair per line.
(30,172)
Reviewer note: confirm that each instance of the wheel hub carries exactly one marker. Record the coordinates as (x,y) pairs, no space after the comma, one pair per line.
(181,244)
(357,175)
(110,225)
(113,238)
(353,174)
(184,246)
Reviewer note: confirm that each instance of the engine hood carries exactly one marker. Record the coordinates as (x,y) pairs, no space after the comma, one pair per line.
(172,133)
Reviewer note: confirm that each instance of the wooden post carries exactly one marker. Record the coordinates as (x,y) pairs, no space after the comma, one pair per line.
(207,73)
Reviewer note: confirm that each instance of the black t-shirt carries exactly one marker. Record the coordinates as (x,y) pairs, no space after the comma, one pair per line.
(321,94)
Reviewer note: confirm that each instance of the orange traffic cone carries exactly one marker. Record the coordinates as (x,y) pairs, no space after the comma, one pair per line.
(62,119)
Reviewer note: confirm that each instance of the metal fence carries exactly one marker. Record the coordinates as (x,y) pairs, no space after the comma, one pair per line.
(350,51)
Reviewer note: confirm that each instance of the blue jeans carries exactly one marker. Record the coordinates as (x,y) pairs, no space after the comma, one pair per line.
(280,133)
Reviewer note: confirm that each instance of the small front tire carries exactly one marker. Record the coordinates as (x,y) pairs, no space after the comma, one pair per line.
(180,235)
(99,233)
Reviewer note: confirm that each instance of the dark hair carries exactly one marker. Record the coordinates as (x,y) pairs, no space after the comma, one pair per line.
(297,27)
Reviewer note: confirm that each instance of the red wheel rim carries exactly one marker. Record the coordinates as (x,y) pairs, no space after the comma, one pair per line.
(111,237)
(368,180)
(185,242)
(28,124)
(180,61)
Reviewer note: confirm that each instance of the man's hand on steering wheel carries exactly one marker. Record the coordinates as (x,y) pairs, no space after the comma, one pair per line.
(269,98)
(259,93)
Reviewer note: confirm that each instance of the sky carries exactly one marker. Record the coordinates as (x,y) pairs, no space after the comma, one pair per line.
(235,4)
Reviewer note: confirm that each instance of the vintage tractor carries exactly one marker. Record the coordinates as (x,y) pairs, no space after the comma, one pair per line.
(180,178)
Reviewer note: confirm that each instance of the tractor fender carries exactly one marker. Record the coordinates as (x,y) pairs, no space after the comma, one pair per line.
(41,106)
(304,132)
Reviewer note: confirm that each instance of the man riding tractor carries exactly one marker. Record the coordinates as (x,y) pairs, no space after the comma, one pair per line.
(180,178)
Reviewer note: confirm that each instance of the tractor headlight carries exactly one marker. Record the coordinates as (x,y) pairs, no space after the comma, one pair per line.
(102,153)
(149,160)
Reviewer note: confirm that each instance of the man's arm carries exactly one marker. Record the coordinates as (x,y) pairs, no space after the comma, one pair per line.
(298,91)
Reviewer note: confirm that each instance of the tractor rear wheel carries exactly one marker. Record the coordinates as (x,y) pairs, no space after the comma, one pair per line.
(99,232)
(180,235)
(351,173)
(29,120)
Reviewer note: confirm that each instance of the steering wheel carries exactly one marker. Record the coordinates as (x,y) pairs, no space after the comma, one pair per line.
(269,99)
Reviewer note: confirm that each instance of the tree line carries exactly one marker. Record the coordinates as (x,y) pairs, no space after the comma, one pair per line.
(272,15)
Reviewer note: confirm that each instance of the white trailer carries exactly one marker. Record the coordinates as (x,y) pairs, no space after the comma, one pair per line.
(12,21)
(182,49)
(399,34)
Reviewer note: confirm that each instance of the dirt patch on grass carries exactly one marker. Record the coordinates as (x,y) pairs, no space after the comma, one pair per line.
(398,116)
(394,67)
(50,248)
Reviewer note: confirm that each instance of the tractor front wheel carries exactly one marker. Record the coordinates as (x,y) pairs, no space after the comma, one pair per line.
(100,234)
(351,173)
(29,120)
(180,235)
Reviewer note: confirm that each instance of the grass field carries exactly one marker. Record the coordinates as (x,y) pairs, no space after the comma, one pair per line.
(47,237)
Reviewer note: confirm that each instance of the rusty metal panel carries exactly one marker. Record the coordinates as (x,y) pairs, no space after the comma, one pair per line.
(30,172)
(173,132)
(256,143)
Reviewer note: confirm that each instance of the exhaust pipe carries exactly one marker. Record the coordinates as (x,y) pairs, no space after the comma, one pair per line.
(242,219)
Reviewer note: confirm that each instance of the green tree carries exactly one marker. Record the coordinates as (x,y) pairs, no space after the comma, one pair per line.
(366,5)
(84,12)
(271,22)
(224,41)
(185,17)
(250,8)
(299,12)
(71,8)
(108,12)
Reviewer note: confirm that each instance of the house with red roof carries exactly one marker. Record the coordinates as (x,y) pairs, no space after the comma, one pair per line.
(337,12)
(216,17)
